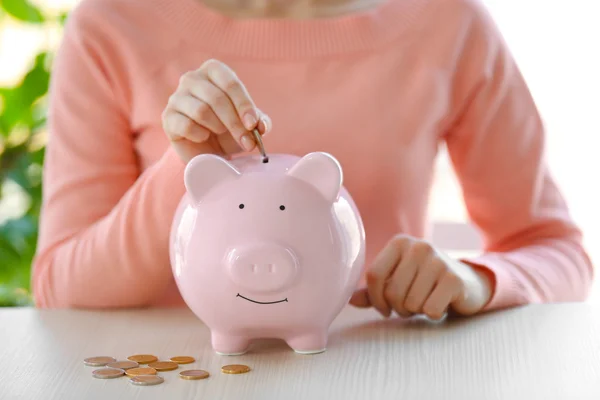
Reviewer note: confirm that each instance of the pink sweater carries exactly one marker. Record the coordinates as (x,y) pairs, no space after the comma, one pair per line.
(380,90)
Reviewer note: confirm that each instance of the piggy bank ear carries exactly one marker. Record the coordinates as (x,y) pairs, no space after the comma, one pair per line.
(321,171)
(205,171)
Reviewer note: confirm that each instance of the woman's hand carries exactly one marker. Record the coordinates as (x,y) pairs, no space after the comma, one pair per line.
(411,277)
(212,112)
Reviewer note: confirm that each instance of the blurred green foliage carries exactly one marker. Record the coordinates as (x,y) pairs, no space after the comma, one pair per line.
(22,144)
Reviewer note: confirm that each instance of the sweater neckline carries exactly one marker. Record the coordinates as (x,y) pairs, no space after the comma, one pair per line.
(288,39)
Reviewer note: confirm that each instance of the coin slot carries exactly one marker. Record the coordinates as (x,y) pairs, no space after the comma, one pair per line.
(271,267)
(254,268)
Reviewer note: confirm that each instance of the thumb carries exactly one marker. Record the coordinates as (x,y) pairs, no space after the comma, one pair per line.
(360,298)
(264,125)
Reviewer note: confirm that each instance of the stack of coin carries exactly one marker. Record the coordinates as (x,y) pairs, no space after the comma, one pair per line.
(143,369)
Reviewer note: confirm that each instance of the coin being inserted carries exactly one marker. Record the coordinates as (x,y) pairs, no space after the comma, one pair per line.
(140,371)
(147,380)
(235,369)
(194,374)
(98,361)
(108,373)
(143,358)
(260,145)
(124,365)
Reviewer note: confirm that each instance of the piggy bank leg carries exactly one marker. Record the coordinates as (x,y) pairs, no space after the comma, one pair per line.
(229,345)
(313,342)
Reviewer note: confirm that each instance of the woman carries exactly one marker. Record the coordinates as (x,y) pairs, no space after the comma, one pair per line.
(140,87)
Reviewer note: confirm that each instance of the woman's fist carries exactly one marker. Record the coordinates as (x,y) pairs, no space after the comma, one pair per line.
(410,276)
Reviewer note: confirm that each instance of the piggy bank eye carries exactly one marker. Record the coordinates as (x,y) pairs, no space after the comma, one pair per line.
(282,207)
(241,206)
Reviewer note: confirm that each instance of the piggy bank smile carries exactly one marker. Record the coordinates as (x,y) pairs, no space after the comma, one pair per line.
(266,250)
(262,302)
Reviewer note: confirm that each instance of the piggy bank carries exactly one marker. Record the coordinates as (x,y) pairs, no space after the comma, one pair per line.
(266,249)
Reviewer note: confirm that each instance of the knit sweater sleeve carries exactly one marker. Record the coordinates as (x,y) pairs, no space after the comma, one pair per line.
(104,225)
(534,250)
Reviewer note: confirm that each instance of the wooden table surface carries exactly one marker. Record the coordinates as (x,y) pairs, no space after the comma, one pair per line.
(537,352)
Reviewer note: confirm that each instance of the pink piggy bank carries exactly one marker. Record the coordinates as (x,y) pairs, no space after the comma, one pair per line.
(267,250)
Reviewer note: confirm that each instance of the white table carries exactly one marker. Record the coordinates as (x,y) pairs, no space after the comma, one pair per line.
(535,352)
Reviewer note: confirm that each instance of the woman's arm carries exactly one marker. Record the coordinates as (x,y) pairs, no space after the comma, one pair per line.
(533,248)
(104,227)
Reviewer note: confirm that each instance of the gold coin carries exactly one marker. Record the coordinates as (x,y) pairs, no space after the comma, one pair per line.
(107,373)
(147,380)
(98,361)
(183,359)
(164,365)
(193,374)
(143,358)
(235,369)
(124,365)
(140,371)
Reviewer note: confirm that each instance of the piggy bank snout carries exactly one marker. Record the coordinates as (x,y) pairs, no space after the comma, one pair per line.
(262,267)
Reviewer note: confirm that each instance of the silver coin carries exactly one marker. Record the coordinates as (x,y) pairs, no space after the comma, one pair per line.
(108,373)
(146,380)
(100,361)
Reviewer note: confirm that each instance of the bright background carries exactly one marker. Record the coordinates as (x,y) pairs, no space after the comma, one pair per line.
(554,42)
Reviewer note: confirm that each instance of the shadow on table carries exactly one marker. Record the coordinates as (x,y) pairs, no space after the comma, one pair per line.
(391,329)
(369,330)
(398,328)
(269,346)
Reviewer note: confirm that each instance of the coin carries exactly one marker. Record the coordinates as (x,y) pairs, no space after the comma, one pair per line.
(147,380)
(261,146)
(183,359)
(140,371)
(98,361)
(193,374)
(143,358)
(108,373)
(124,365)
(164,365)
(235,369)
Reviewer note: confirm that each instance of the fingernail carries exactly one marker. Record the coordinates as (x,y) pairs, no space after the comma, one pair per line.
(250,121)
(266,124)
(247,143)
(383,312)
(360,299)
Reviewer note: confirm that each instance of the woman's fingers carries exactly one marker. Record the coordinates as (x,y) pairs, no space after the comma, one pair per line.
(180,126)
(264,123)
(225,79)
(223,108)
(403,277)
(198,111)
(212,107)
(231,102)
(380,273)
(423,285)
(448,288)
